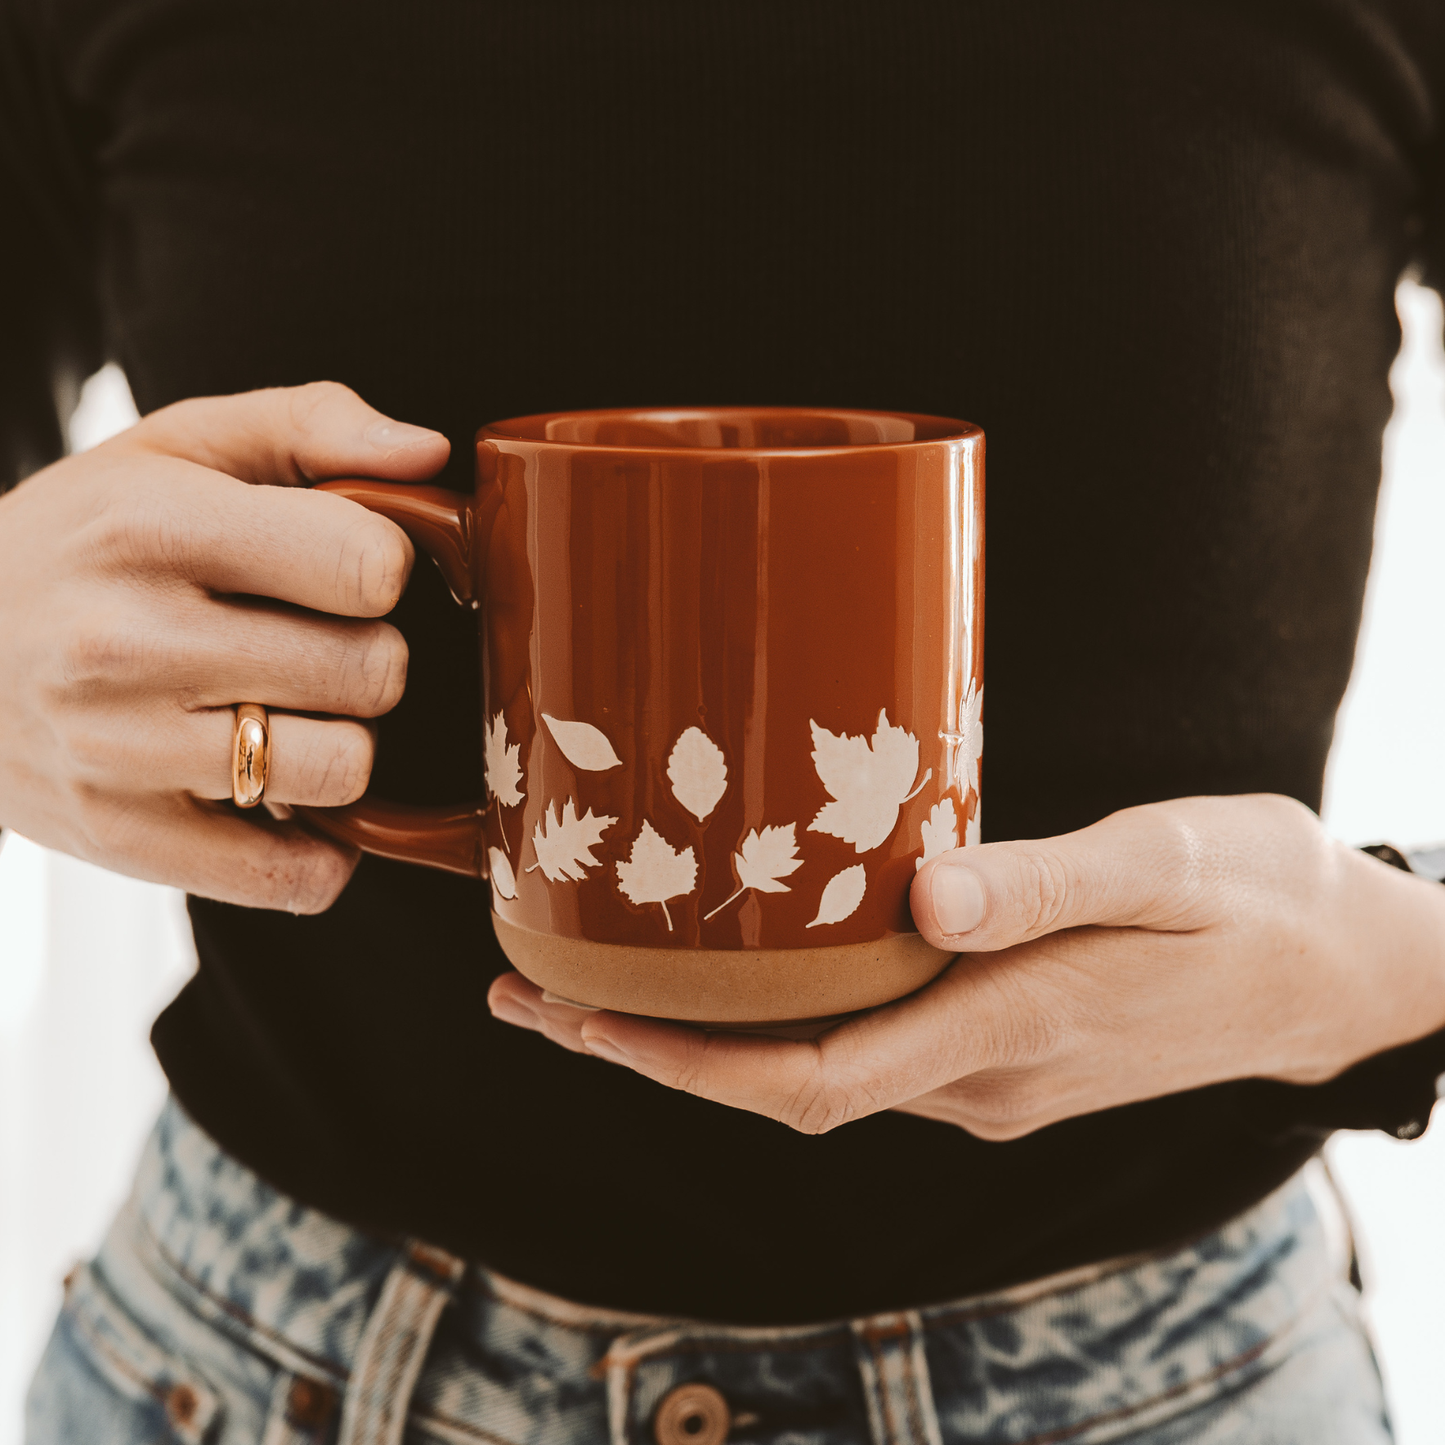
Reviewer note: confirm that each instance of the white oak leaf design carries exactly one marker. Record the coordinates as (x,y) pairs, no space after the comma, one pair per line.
(502,763)
(564,846)
(763,859)
(940,832)
(842,896)
(973,834)
(970,735)
(656,871)
(583,745)
(868,782)
(698,772)
(503,879)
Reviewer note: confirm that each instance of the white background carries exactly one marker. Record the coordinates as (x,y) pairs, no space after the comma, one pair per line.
(88,958)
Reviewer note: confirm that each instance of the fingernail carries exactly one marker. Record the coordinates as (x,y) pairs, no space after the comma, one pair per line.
(604,1048)
(556,998)
(394,436)
(958,898)
(512,1012)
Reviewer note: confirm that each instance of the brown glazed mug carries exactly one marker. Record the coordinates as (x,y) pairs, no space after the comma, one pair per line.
(732,673)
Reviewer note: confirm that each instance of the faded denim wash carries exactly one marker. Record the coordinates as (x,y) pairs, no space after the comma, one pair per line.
(220,1312)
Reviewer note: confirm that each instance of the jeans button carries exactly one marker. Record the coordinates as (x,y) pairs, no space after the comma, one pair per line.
(692,1415)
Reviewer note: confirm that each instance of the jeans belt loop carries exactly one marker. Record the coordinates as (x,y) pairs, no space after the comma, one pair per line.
(896,1384)
(394,1344)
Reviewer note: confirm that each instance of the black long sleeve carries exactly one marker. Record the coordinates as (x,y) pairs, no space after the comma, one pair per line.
(50,323)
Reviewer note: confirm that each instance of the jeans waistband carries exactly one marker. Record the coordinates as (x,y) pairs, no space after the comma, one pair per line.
(1085,1356)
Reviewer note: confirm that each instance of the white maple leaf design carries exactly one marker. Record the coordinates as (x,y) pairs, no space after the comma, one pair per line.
(973,834)
(503,879)
(868,782)
(970,735)
(765,858)
(502,763)
(698,772)
(564,846)
(583,745)
(842,896)
(940,832)
(656,871)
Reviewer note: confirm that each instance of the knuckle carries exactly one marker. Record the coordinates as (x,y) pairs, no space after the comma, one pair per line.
(315,880)
(306,401)
(125,531)
(95,832)
(89,749)
(992,1132)
(817,1106)
(383,667)
(375,565)
(1043,888)
(373,671)
(1005,1106)
(346,767)
(161,429)
(691,1077)
(150,531)
(95,651)
(1039,1024)
(690,1074)
(1023,1020)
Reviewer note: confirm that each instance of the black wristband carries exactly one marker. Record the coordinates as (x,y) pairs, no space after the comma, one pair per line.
(1394,1091)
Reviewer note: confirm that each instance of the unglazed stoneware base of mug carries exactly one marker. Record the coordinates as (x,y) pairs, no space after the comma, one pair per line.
(784,1029)
(733,987)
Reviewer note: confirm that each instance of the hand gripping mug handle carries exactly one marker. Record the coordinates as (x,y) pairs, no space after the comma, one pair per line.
(442,524)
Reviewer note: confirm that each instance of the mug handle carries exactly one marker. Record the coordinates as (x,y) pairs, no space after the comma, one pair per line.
(442,524)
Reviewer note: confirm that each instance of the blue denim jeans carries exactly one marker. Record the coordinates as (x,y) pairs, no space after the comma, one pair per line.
(219,1310)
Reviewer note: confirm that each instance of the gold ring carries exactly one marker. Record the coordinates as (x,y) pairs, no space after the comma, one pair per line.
(250,755)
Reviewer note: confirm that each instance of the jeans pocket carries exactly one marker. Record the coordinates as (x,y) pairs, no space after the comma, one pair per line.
(104,1379)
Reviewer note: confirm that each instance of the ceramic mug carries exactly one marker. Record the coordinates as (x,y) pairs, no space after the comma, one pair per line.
(732,673)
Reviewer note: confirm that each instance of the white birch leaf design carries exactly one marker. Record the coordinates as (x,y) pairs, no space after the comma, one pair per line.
(656,871)
(503,764)
(868,782)
(940,832)
(503,879)
(970,735)
(698,773)
(583,745)
(564,846)
(765,858)
(842,896)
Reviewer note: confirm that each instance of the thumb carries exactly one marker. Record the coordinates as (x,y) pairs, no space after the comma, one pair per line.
(1141,868)
(291,435)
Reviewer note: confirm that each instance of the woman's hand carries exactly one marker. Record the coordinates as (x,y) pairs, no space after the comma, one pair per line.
(1164,948)
(149,585)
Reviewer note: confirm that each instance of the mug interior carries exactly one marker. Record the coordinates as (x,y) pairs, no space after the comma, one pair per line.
(754,428)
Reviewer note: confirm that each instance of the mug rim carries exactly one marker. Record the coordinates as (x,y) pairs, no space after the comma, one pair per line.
(531,430)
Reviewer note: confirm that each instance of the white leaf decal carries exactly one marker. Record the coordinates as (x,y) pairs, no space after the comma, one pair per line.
(940,832)
(970,735)
(583,745)
(503,879)
(503,766)
(656,871)
(973,834)
(564,848)
(869,783)
(765,858)
(698,773)
(842,896)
